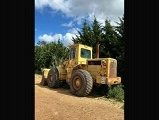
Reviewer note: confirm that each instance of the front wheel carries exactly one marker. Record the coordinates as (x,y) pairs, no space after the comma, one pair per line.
(53,78)
(81,83)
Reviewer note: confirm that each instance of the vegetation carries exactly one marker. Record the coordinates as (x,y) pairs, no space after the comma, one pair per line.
(116,92)
(48,53)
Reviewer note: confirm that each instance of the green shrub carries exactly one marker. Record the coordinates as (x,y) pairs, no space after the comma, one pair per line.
(116,92)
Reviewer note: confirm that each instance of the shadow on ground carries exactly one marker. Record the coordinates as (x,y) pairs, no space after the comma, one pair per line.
(64,89)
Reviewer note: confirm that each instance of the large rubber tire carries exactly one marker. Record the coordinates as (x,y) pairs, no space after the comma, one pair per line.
(53,78)
(81,83)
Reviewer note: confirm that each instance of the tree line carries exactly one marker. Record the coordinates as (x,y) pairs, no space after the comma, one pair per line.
(48,53)
(110,40)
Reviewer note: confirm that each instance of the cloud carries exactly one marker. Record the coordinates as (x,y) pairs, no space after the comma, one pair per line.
(41,3)
(70,24)
(50,38)
(65,39)
(74,30)
(58,5)
(85,9)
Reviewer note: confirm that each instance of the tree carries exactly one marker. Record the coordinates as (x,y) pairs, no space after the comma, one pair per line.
(85,36)
(37,60)
(97,36)
(109,37)
(90,36)
(48,53)
(120,47)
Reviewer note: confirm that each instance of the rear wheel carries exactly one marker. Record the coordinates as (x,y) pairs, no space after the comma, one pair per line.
(81,83)
(53,78)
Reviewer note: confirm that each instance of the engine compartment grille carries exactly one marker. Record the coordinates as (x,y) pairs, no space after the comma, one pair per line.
(113,69)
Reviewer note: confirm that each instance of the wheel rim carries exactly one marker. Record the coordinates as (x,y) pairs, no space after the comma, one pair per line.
(77,83)
(51,78)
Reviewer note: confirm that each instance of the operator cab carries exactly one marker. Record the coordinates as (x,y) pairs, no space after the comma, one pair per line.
(80,53)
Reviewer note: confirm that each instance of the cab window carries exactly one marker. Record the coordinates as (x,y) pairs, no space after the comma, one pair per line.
(85,53)
(72,54)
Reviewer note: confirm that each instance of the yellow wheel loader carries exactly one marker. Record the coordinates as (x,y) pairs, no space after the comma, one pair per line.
(81,72)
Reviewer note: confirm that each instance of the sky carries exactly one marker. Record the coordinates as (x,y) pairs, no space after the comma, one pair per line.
(60,19)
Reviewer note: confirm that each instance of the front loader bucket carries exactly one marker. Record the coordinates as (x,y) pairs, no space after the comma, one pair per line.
(43,80)
(44,77)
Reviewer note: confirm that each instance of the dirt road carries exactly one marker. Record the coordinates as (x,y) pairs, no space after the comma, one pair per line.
(60,104)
